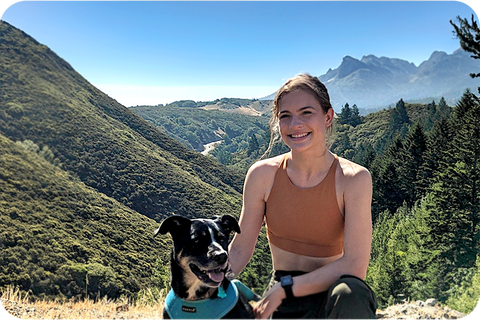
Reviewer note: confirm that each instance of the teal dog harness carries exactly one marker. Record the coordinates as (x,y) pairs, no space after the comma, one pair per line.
(215,308)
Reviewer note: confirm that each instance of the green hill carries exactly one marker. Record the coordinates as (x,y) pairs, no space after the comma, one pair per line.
(57,232)
(106,145)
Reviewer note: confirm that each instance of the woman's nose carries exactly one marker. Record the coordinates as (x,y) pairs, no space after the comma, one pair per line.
(296,122)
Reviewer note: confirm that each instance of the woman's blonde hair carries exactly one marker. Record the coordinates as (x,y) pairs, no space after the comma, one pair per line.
(304,82)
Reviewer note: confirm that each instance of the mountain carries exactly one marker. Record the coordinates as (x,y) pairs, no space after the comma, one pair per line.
(373,83)
(105,144)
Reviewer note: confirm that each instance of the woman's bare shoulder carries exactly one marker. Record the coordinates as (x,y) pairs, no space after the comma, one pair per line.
(261,176)
(352,172)
(266,166)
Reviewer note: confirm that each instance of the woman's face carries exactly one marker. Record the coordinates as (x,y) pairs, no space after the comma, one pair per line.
(302,121)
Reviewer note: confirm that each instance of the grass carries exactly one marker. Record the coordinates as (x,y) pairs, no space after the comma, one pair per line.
(148,305)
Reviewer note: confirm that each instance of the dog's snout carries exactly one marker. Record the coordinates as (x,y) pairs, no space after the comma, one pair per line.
(220,257)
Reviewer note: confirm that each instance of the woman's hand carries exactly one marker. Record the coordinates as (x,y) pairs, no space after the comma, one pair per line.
(270,302)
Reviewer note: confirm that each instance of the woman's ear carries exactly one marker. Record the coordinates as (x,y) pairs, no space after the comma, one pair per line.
(329,117)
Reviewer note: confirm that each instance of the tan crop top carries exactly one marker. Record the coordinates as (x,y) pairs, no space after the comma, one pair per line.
(306,221)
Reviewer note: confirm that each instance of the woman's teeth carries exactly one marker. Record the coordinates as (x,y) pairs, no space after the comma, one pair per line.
(301,135)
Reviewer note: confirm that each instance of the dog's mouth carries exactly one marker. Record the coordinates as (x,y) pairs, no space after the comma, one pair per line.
(212,277)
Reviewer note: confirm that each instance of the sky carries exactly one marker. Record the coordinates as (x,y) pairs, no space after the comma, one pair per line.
(149,53)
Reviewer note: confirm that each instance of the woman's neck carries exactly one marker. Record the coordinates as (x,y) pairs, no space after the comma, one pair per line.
(310,164)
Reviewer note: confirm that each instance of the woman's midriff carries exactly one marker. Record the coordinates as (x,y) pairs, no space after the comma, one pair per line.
(284,260)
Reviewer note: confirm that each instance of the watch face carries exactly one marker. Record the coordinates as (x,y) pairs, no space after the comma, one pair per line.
(286,281)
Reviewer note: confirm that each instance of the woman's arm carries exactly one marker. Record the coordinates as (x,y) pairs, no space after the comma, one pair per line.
(357,241)
(251,219)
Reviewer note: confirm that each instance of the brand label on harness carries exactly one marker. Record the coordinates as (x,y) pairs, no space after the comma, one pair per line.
(189,309)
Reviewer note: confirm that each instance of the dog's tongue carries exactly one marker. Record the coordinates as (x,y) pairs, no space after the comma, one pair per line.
(216,275)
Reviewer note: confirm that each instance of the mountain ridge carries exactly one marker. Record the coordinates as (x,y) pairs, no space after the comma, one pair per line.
(373,83)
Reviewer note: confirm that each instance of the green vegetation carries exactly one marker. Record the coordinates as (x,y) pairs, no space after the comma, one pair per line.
(103,143)
(426,204)
(197,127)
(62,238)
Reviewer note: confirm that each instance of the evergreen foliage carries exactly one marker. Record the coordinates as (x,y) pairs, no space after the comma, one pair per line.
(436,175)
(469,35)
(350,116)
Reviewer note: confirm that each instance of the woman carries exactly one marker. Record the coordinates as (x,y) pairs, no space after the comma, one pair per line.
(317,209)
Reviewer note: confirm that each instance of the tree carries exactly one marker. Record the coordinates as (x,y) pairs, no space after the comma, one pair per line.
(356,119)
(350,116)
(252,145)
(469,35)
(415,147)
(345,115)
(399,115)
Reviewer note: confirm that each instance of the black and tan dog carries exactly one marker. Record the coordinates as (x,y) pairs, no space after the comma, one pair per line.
(199,263)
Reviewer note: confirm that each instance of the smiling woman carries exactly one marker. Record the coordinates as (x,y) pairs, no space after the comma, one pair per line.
(317,210)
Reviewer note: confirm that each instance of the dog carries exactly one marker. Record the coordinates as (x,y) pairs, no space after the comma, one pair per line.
(198,268)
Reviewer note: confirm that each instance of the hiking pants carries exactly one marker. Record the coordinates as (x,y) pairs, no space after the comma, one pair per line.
(347,298)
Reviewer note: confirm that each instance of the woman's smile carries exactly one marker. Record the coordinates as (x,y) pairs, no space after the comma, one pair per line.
(299,136)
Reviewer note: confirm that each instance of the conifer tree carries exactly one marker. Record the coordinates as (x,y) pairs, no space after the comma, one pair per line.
(438,141)
(345,114)
(415,148)
(443,110)
(469,35)
(455,221)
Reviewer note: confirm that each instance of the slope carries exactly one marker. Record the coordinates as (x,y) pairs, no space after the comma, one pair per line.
(106,145)
(60,237)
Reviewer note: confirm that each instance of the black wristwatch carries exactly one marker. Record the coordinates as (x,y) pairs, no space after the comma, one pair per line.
(287,284)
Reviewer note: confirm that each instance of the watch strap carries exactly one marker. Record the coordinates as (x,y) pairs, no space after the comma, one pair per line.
(287,284)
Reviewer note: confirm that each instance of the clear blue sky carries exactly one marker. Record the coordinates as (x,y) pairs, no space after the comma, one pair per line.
(158,52)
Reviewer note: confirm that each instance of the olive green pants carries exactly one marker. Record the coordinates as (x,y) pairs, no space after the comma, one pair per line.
(347,298)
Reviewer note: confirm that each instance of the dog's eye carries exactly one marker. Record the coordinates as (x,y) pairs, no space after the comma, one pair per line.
(222,237)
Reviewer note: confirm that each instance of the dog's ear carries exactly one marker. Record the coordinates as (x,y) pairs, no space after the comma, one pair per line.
(172,224)
(229,223)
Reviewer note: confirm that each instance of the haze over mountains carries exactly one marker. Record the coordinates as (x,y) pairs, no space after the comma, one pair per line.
(374,83)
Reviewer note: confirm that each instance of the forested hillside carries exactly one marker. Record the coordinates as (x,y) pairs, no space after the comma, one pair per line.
(60,237)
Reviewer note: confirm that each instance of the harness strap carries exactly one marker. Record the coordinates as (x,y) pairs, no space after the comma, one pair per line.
(215,308)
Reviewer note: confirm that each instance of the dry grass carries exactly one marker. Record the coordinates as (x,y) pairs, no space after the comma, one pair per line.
(20,306)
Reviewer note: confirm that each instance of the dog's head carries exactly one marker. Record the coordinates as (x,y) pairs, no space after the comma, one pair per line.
(200,248)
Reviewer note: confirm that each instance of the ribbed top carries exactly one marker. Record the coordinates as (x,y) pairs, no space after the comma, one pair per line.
(305,221)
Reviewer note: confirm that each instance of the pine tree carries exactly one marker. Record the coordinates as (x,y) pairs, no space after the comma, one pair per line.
(415,147)
(387,193)
(443,110)
(355,119)
(438,141)
(469,35)
(345,114)
(455,224)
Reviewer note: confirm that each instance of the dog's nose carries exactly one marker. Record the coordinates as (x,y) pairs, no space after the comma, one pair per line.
(220,258)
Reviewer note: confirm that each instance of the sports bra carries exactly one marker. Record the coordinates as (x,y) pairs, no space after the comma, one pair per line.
(305,221)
